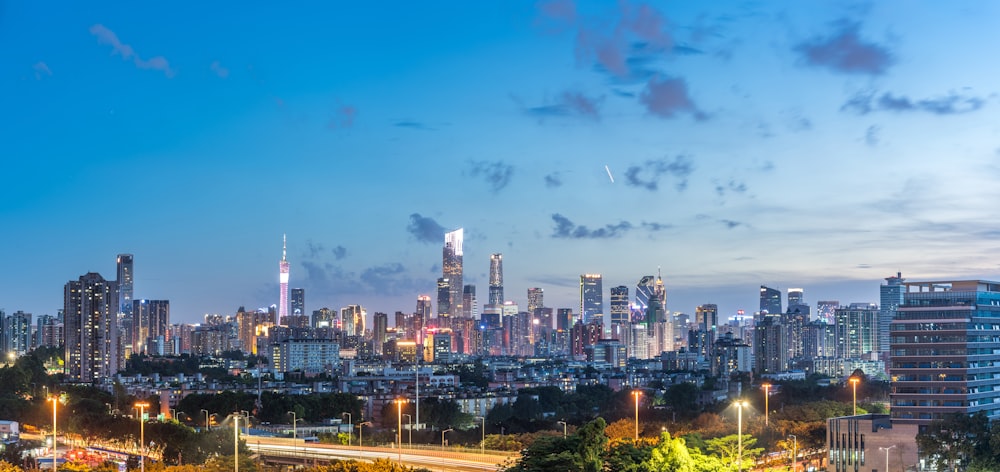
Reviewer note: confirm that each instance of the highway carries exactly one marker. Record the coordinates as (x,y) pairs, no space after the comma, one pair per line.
(431,459)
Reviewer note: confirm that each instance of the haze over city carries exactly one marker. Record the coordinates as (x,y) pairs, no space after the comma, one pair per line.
(816,145)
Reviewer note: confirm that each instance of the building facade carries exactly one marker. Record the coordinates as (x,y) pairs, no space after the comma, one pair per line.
(90,308)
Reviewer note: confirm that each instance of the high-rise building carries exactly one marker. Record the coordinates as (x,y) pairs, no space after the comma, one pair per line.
(944,351)
(126,278)
(645,290)
(381,327)
(424,306)
(469,308)
(451,266)
(17,333)
(352,320)
(707,317)
(890,297)
(796,296)
(770,351)
(90,308)
(444,299)
(496,279)
(151,320)
(298,302)
(591,298)
(536,299)
(324,318)
(619,310)
(856,330)
(825,311)
(770,300)
(49,331)
(283,283)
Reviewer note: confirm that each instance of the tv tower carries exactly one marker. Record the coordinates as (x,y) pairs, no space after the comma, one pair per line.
(283,280)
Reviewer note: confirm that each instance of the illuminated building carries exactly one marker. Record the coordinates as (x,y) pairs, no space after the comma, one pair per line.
(619,305)
(825,310)
(298,302)
(591,298)
(151,318)
(536,299)
(380,323)
(469,308)
(90,308)
(352,320)
(770,300)
(126,277)
(17,333)
(856,330)
(451,267)
(496,279)
(890,297)
(283,283)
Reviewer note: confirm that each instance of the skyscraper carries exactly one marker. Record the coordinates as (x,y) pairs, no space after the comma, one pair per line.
(591,298)
(125,281)
(444,298)
(856,330)
(825,310)
(152,317)
(645,290)
(283,283)
(890,297)
(619,310)
(451,266)
(353,320)
(795,296)
(90,307)
(770,300)
(536,299)
(469,308)
(424,306)
(298,302)
(17,333)
(380,324)
(944,351)
(496,279)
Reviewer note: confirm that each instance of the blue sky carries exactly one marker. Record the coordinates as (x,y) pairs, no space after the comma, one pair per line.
(822,145)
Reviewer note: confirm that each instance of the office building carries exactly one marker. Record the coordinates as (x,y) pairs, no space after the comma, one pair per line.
(591,299)
(324,318)
(126,277)
(451,267)
(825,311)
(770,300)
(619,310)
(283,283)
(890,297)
(298,302)
(770,351)
(150,320)
(90,308)
(496,279)
(469,308)
(536,299)
(856,330)
(944,351)
(352,320)
(380,326)
(17,333)
(444,299)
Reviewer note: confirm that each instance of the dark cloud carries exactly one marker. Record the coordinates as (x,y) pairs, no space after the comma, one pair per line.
(872,135)
(666,97)
(342,117)
(553,180)
(648,174)
(497,173)
(389,279)
(566,229)
(569,104)
(733,185)
(731,224)
(339,252)
(412,125)
(846,52)
(425,229)
(656,226)
(866,102)
(313,250)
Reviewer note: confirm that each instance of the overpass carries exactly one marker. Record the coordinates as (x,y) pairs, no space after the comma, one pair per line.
(297,452)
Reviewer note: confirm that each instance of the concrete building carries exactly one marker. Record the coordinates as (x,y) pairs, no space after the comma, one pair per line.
(866,442)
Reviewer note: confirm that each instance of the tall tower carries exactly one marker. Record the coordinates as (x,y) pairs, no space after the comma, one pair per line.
(283,281)
(451,264)
(770,300)
(125,280)
(536,299)
(890,297)
(619,305)
(496,279)
(591,298)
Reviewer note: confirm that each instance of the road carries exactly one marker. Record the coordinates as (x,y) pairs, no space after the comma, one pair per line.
(435,460)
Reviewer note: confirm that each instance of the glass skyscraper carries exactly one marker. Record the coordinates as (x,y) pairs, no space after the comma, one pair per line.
(770,300)
(591,297)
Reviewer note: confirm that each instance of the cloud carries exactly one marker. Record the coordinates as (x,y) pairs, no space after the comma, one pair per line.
(425,229)
(313,250)
(666,97)
(339,252)
(106,36)
(219,70)
(41,69)
(866,102)
(553,180)
(656,226)
(845,52)
(648,174)
(497,173)
(872,135)
(731,224)
(388,279)
(342,117)
(412,125)
(569,104)
(732,186)
(566,229)
(557,14)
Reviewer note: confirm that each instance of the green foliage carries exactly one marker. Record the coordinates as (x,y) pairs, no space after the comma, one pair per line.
(671,455)
(957,437)
(727,449)
(682,398)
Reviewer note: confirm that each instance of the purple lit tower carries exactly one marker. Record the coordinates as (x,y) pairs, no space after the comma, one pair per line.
(283,280)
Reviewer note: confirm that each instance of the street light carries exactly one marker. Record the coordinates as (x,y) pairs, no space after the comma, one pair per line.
(767,396)
(207,426)
(361,434)
(294,421)
(350,423)
(886,449)
(854,386)
(399,429)
(564,427)
(236,442)
(442,436)
(142,434)
(55,402)
(795,451)
(482,445)
(740,404)
(637,394)
(409,427)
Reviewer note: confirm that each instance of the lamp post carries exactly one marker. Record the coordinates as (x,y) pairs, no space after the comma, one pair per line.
(207,427)
(886,449)
(348,422)
(854,386)
(795,451)
(740,404)
(55,402)
(482,445)
(767,397)
(399,429)
(142,434)
(409,427)
(236,442)
(294,421)
(442,436)
(563,423)
(637,394)
(361,434)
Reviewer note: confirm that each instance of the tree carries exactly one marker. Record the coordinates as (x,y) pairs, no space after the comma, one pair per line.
(592,445)
(671,455)
(956,437)
(683,399)
(727,448)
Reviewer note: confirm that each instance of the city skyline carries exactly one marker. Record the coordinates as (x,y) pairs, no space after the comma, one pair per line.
(822,146)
